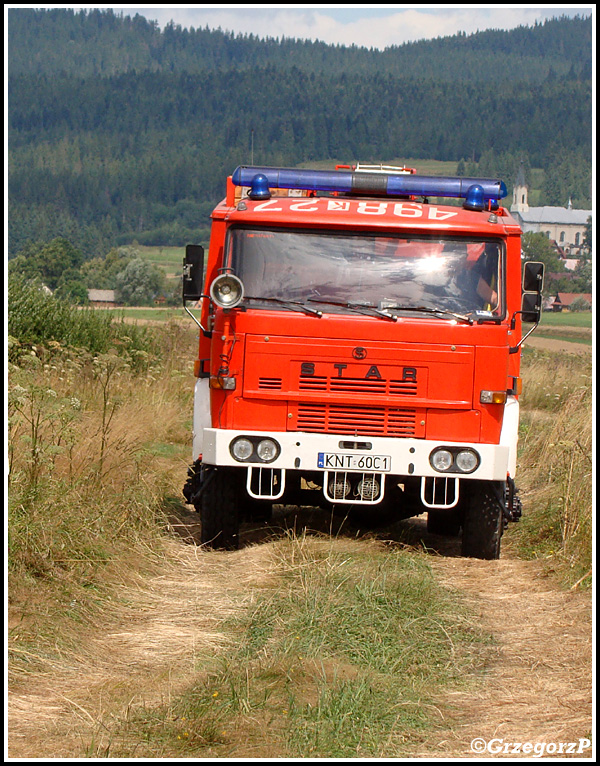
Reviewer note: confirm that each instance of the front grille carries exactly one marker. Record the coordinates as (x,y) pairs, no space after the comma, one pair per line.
(313,383)
(369,386)
(355,421)
(271,384)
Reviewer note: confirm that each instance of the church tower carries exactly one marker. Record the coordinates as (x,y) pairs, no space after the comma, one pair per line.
(520,204)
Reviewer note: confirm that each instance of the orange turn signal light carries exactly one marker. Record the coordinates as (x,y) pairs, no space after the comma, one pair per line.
(492,397)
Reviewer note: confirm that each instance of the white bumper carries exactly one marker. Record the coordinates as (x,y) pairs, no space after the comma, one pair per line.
(407,457)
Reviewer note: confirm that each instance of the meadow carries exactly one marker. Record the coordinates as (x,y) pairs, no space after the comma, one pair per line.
(169,259)
(325,646)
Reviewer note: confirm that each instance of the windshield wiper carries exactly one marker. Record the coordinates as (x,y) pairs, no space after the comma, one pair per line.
(361,308)
(292,305)
(432,310)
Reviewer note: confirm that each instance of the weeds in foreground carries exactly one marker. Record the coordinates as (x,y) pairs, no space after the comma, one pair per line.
(38,319)
(555,465)
(85,488)
(343,652)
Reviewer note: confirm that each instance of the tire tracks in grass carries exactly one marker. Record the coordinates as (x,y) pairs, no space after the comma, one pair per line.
(535,688)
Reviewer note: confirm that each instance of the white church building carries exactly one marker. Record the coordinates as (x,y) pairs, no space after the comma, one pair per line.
(565,226)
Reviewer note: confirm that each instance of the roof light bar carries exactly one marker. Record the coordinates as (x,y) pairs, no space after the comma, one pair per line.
(371,183)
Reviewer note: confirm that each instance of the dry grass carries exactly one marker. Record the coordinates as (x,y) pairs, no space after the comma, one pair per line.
(538,686)
(114,623)
(87,492)
(156,627)
(556,465)
(182,666)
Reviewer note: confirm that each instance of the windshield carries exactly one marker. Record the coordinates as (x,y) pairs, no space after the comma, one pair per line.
(391,273)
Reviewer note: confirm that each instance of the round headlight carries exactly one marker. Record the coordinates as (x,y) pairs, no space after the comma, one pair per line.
(339,488)
(467,460)
(267,450)
(368,489)
(242,449)
(227,291)
(441,459)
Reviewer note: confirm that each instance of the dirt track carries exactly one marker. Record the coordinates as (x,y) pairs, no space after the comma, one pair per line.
(554,344)
(537,687)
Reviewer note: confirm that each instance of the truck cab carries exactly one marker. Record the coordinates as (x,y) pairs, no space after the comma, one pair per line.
(359,345)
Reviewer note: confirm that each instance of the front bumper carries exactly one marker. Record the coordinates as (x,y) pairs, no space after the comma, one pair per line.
(407,457)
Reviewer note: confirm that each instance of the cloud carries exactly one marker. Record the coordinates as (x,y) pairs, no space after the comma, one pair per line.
(370,27)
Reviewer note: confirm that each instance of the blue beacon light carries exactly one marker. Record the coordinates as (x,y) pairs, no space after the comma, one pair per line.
(475,198)
(487,189)
(259,187)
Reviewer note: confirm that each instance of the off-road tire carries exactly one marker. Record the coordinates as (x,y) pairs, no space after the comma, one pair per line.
(219,509)
(483,521)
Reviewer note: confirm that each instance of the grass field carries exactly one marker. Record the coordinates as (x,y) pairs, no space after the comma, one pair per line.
(169,259)
(148,313)
(573,327)
(566,319)
(323,646)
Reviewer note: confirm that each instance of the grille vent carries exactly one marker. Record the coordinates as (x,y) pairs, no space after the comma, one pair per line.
(271,384)
(370,386)
(340,419)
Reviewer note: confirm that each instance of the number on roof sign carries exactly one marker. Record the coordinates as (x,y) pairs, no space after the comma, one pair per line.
(408,209)
(303,206)
(268,206)
(372,208)
(440,215)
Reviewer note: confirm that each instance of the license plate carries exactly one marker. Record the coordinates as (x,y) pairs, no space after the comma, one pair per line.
(338,461)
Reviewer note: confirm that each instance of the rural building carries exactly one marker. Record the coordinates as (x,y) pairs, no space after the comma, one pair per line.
(102,298)
(564,225)
(564,300)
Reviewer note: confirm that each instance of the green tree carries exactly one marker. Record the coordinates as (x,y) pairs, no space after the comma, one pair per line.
(536,246)
(101,273)
(587,237)
(138,283)
(48,261)
(580,304)
(584,274)
(73,290)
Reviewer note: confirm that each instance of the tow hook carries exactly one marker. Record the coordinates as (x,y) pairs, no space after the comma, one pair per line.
(196,482)
(513,507)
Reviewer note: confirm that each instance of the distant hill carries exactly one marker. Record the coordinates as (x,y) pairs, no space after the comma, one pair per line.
(120,132)
(102,42)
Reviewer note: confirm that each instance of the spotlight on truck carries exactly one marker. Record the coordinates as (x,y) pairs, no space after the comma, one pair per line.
(227,291)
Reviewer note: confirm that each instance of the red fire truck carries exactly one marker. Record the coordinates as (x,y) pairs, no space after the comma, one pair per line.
(359,346)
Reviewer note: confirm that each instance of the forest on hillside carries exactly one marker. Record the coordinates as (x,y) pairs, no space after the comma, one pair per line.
(119,132)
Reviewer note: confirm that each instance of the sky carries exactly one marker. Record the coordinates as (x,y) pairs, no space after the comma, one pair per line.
(377,26)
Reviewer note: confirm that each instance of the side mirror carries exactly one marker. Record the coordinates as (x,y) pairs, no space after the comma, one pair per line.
(531,302)
(531,307)
(193,277)
(533,277)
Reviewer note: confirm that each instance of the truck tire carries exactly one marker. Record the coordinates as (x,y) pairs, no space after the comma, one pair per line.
(483,521)
(219,509)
